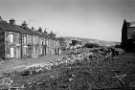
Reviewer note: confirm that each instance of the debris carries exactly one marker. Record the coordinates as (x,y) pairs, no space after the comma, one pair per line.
(6,83)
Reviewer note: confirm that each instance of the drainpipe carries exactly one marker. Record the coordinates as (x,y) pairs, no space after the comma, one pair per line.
(21,46)
(45,46)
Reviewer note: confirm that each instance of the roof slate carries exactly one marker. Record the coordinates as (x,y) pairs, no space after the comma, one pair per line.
(16,28)
(12,28)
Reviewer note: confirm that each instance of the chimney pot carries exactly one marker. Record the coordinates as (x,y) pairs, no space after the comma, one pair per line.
(1,18)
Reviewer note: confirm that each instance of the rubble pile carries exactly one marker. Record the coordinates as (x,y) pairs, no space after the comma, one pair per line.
(81,69)
(78,71)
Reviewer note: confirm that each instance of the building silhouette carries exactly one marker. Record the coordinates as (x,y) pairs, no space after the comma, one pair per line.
(128,35)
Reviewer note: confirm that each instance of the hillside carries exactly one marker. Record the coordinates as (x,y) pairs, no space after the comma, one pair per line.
(96,41)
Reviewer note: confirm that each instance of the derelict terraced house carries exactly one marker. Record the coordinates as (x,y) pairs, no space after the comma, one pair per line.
(21,42)
(128,35)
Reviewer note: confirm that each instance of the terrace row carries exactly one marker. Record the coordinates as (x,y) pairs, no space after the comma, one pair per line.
(19,41)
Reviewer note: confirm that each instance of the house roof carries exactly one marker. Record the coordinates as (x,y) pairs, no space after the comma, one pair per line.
(29,31)
(8,27)
(16,28)
(34,32)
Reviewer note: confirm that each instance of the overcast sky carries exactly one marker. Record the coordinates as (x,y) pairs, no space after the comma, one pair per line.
(100,19)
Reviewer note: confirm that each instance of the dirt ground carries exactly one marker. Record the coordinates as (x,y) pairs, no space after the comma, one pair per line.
(117,73)
(18,65)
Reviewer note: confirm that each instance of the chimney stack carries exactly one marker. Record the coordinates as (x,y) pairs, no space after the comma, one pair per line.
(1,18)
(24,24)
(12,21)
(32,28)
(40,29)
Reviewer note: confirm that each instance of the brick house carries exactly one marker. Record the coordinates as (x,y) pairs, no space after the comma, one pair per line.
(11,39)
(21,42)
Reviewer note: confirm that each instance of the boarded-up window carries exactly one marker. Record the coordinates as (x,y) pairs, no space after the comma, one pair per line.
(11,52)
(25,50)
(10,37)
(16,38)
